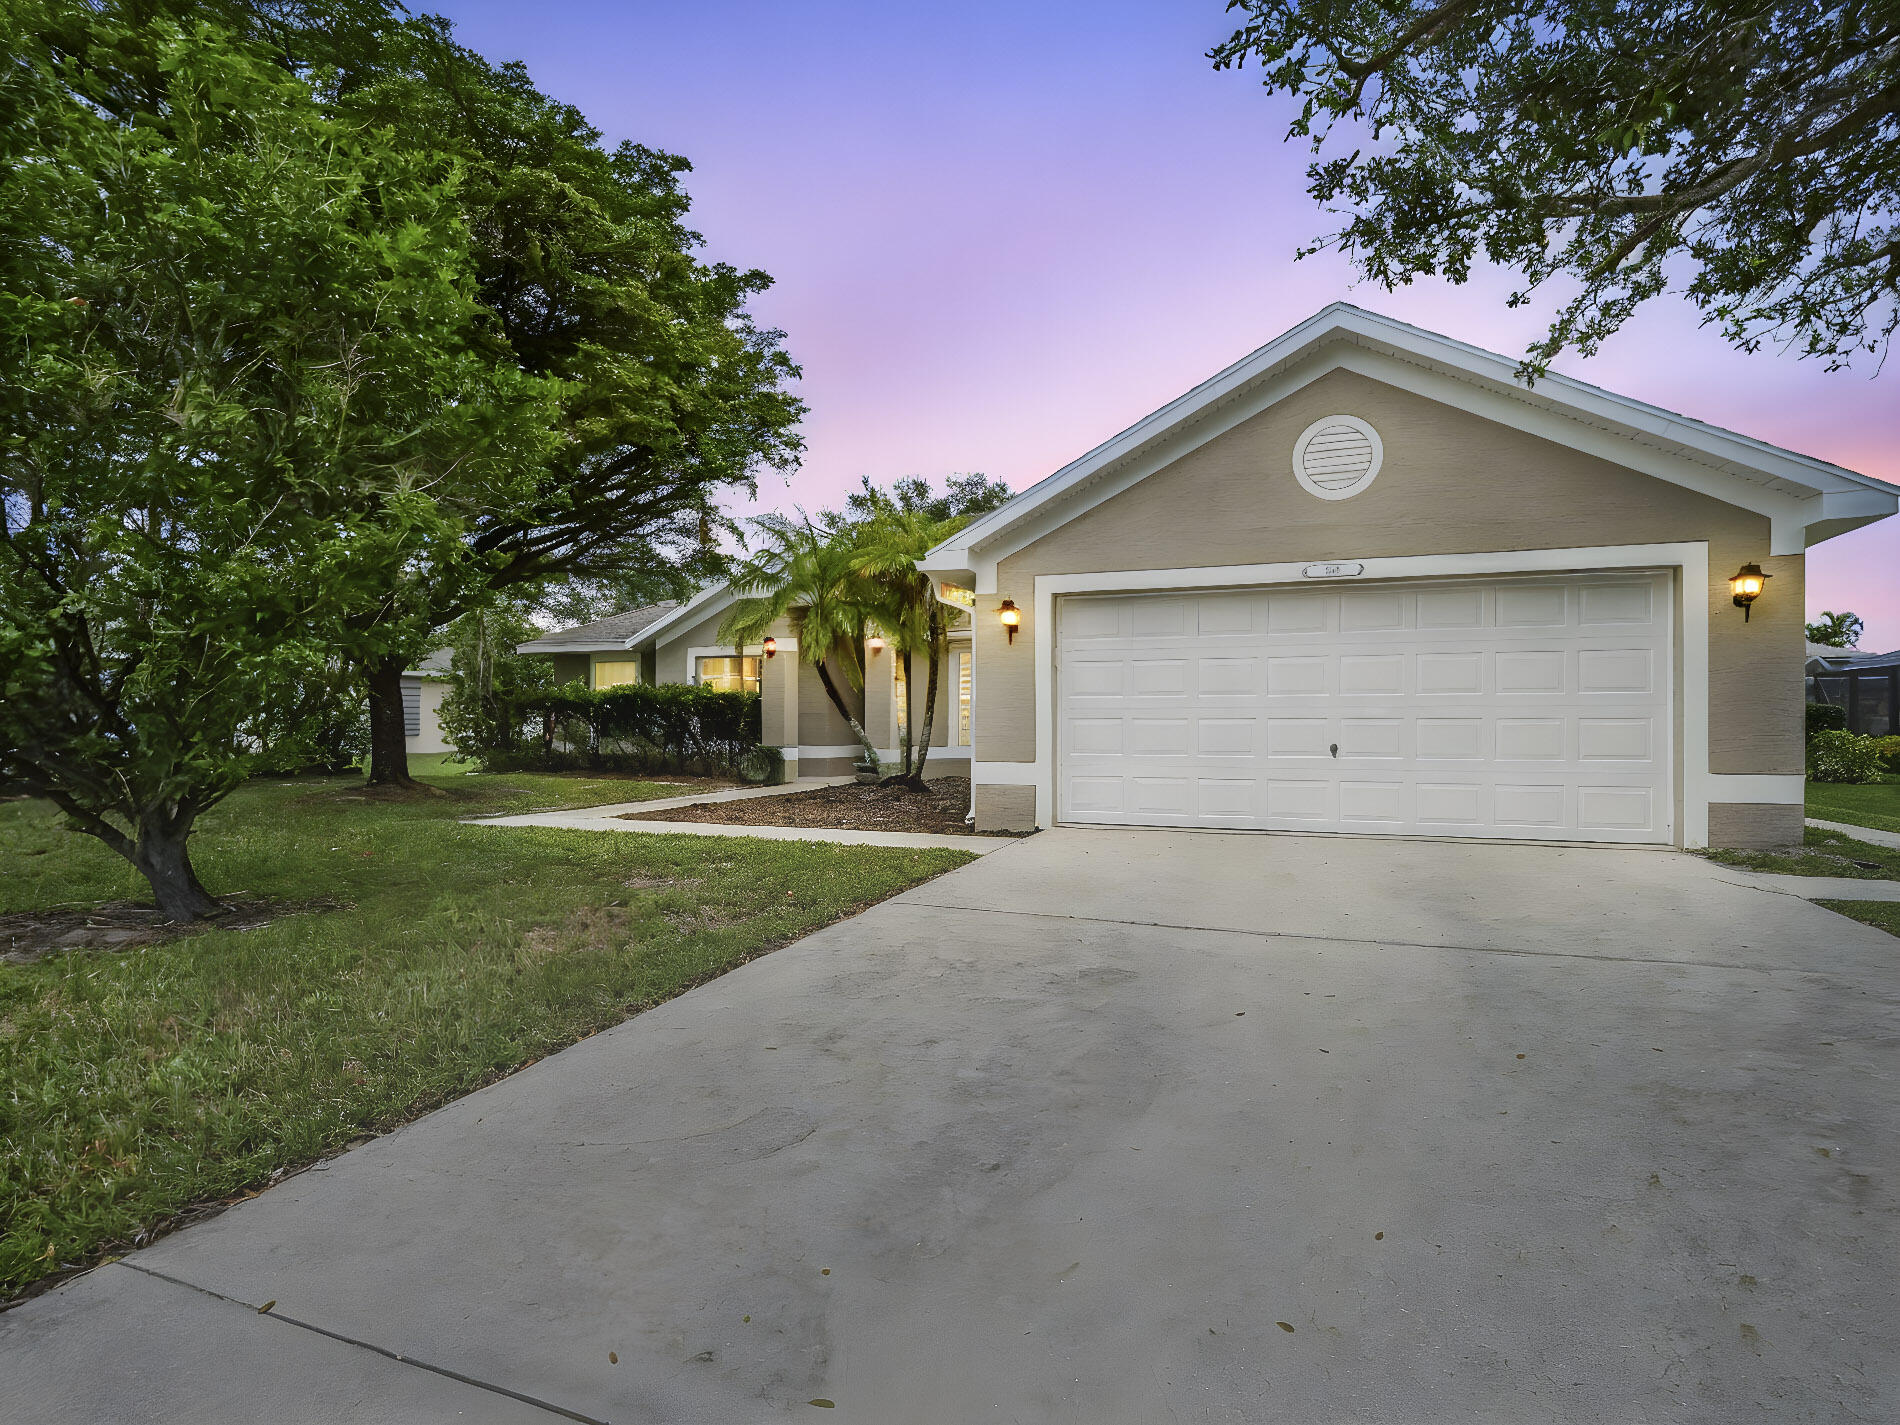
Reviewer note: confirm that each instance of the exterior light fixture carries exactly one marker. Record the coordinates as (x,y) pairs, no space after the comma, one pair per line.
(1746,586)
(1011,616)
(771,648)
(875,643)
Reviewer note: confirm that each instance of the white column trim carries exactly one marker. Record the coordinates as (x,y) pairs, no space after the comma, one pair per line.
(1774,788)
(1690,557)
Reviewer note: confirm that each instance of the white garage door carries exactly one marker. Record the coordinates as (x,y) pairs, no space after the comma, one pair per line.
(1535,707)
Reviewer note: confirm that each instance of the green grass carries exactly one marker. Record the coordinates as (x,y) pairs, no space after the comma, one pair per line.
(1882,915)
(1876,805)
(135,1084)
(1823,853)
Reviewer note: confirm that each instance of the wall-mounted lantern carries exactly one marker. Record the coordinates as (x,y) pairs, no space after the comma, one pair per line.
(1011,616)
(875,643)
(1746,586)
(771,648)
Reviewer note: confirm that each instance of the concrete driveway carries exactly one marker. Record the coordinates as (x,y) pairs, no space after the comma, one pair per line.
(1110,1126)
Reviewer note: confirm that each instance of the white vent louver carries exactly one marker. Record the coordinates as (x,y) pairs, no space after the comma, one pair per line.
(1337,457)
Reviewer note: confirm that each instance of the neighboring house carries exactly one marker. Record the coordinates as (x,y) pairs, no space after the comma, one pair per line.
(679,643)
(597,654)
(1366,581)
(798,717)
(1865,685)
(423,688)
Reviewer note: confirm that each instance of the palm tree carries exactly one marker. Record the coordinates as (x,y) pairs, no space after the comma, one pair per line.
(893,532)
(1836,630)
(808,572)
(907,610)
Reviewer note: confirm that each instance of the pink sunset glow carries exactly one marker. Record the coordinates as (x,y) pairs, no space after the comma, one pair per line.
(1001,232)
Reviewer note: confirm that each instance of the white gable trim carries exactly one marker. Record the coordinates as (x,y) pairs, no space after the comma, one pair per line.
(708,601)
(1805,500)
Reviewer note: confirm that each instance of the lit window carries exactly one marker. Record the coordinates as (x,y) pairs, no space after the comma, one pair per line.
(616,673)
(900,694)
(963,700)
(729,675)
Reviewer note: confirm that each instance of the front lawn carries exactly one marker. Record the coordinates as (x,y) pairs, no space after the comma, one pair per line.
(137,1084)
(1876,805)
(1882,915)
(1822,853)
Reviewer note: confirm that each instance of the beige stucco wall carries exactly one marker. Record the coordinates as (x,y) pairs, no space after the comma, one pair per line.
(670,656)
(571,667)
(1451,483)
(1755,826)
(880,702)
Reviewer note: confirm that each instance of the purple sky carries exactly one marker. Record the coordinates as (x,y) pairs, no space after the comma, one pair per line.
(1003,231)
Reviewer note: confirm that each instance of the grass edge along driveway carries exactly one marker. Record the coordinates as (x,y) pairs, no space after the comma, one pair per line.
(139,1085)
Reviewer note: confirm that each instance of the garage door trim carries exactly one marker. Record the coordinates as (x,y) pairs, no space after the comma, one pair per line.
(1691,559)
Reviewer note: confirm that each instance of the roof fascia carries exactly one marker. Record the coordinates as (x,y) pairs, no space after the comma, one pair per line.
(705,602)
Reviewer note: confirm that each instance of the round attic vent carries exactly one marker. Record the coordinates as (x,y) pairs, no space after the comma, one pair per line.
(1337,457)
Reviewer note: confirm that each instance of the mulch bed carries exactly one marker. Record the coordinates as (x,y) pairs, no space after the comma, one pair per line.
(28,935)
(938,811)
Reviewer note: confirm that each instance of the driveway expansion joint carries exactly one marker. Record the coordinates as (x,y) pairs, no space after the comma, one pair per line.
(560,1410)
(1374,942)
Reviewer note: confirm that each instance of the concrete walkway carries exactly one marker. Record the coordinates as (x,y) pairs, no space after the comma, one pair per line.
(1872,835)
(611,818)
(1110,1126)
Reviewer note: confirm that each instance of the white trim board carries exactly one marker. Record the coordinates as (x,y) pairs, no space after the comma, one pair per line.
(694,609)
(1692,692)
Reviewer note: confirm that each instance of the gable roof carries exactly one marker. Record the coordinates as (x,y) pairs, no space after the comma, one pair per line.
(605,635)
(1806,500)
(712,599)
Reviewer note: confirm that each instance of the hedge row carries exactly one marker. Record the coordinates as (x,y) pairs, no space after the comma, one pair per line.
(671,727)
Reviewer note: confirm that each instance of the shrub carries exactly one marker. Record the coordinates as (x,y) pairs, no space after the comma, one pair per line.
(1839,756)
(1889,749)
(1825,717)
(673,727)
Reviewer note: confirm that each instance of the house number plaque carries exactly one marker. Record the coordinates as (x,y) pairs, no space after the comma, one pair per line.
(1332,571)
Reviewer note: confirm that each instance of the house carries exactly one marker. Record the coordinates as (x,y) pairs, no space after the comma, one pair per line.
(423,688)
(597,654)
(1864,685)
(1367,581)
(679,643)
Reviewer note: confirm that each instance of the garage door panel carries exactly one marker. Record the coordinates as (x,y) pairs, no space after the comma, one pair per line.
(1531,708)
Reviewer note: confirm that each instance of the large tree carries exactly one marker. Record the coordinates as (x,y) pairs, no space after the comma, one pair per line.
(1748,150)
(671,395)
(243,395)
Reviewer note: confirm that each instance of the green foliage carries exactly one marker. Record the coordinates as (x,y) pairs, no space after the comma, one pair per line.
(583,260)
(1836,630)
(243,402)
(889,533)
(636,727)
(1614,145)
(1843,757)
(141,1082)
(1825,717)
(486,711)
(1889,749)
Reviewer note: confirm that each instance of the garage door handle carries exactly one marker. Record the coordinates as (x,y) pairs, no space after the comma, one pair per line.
(1335,749)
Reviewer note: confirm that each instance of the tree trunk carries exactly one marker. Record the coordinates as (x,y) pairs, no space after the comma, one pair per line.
(163,857)
(857,728)
(388,744)
(937,643)
(910,712)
